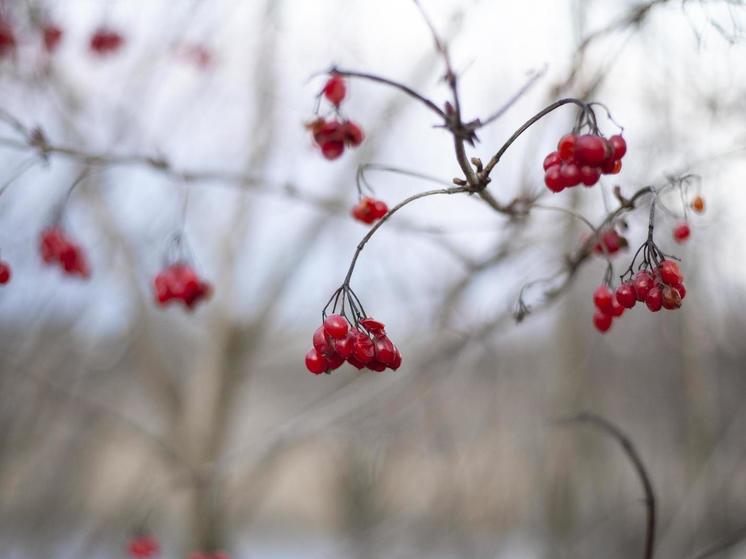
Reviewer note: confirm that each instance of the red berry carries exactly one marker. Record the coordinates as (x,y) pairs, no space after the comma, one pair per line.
(346,345)
(552,159)
(355,362)
(364,350)
(373,326)
(625,295)
(385,350)
(335,90)
(643,283)
(591,150)
(5,272)
(670,297)
(603,299)
(336,326)
(570,174)
(7,38)
(353,134)
(681,232)
(670,272)
(553,179)
(334,361)
(618,146)
(52,37)
(380,209)
(566,147)
(315,362)
(654,299)
(376,365)
(681,289)
(105,41)
(589,175)
(602,321)
(617,310)
(321,341)
(396,362)
(332,150)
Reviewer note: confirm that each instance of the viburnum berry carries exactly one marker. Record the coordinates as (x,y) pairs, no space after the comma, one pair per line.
(143,547)
(553,158)
(643,283)
(335,90)
(553,179)
(369,210)
(5,272)
(570,174)
(316,362)
(179,282)
(566,147)
(603,299)
(336,326)
(589,175)
(57,248)
(681,288)
(670,272)
(602,321)
(618,146)
(698,204)
(7,38)
(617,309)
(52,36)
(654,299)
(670,298)
(105,41)
(626,296)
(681,232)
(610,243)
(591,150)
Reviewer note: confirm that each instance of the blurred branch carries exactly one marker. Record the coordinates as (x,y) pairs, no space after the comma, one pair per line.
(633,455)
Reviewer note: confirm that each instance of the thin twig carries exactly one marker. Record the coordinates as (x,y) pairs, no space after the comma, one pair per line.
(634,457)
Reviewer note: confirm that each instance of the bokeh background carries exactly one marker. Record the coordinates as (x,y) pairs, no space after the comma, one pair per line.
(206,427)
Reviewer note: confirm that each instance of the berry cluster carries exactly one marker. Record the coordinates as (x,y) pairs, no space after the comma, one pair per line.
(369,210)
(583,159)
(364,345)
(333,135)
(56,247)
(179,282)
(5,272)
(610,242)
(660,287)
(143,547)
(105,41)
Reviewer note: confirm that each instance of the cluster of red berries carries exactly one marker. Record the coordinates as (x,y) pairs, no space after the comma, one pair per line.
(105,41)
(610,242)
(366,345)
(661,288)
(332,136)
(56,247)
(582,159)
(5,272)
(369,210)
(143,547)
(179,282)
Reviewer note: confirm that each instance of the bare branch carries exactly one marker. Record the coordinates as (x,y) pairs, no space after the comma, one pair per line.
(633,455)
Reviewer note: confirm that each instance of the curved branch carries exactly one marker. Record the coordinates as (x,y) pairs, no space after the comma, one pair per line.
(392,211)
(400,86)
(530,122)
(630,451)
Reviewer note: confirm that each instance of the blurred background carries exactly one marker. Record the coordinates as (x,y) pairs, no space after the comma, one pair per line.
(205,427)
